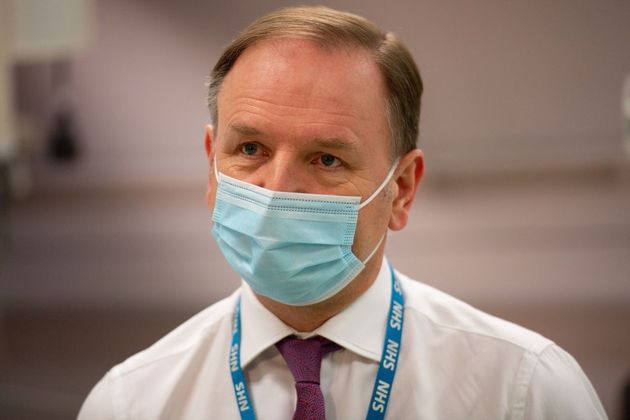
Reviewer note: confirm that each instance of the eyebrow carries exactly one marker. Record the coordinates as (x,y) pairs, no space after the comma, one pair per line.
(245,130)
(334,143)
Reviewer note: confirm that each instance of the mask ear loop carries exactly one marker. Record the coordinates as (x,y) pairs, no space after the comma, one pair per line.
(383,184)
(214,166)
(388,178)
(369,257)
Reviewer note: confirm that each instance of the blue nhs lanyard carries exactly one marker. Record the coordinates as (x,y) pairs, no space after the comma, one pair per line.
(386,369)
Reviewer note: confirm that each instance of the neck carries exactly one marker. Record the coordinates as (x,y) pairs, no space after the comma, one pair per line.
(308,318)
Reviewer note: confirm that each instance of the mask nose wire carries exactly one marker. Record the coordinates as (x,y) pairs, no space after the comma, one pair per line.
(383,184)
(365,203)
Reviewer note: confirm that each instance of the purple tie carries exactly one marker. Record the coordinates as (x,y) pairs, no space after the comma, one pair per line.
(304,358)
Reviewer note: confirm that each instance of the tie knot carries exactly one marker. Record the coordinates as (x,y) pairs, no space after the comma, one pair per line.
(304,357)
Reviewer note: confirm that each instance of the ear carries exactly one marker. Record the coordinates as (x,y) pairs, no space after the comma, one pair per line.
(408,177)
(208,138)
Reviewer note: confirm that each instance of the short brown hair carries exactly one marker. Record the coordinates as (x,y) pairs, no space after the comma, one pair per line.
(329,27)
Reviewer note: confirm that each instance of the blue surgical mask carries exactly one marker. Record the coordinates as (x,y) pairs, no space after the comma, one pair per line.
(294,248)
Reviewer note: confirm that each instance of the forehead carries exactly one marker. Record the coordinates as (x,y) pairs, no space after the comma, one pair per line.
(305,83)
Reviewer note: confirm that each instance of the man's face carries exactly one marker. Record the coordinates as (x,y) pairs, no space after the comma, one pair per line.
(296,117)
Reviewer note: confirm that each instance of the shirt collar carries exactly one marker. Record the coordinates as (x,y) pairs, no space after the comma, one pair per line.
(359,328)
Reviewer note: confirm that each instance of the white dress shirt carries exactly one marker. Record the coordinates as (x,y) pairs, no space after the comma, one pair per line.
(456,362)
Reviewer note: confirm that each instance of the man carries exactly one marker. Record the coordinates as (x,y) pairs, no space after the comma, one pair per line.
(312,159)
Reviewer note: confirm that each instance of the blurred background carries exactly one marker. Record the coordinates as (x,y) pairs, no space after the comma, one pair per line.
(105,237)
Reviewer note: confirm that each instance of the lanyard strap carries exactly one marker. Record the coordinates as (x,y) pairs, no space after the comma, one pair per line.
(386,369)
(389,357)
(238,379)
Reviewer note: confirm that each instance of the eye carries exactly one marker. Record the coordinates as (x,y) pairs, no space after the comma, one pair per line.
(249,149)
(329,161)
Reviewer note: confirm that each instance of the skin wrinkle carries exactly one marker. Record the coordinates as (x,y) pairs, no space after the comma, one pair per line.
(324,108)
(343,148)
(338,143)
(269,113)
(263,130)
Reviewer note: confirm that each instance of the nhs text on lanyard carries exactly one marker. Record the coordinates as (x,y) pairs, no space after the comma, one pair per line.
(386,369)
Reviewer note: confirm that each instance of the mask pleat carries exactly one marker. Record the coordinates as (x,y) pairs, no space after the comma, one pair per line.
(292,247)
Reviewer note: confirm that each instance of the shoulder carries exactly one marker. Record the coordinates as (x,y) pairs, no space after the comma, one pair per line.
(198,330)
(145,380)
(515,367)
(558,388)
(446,313)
